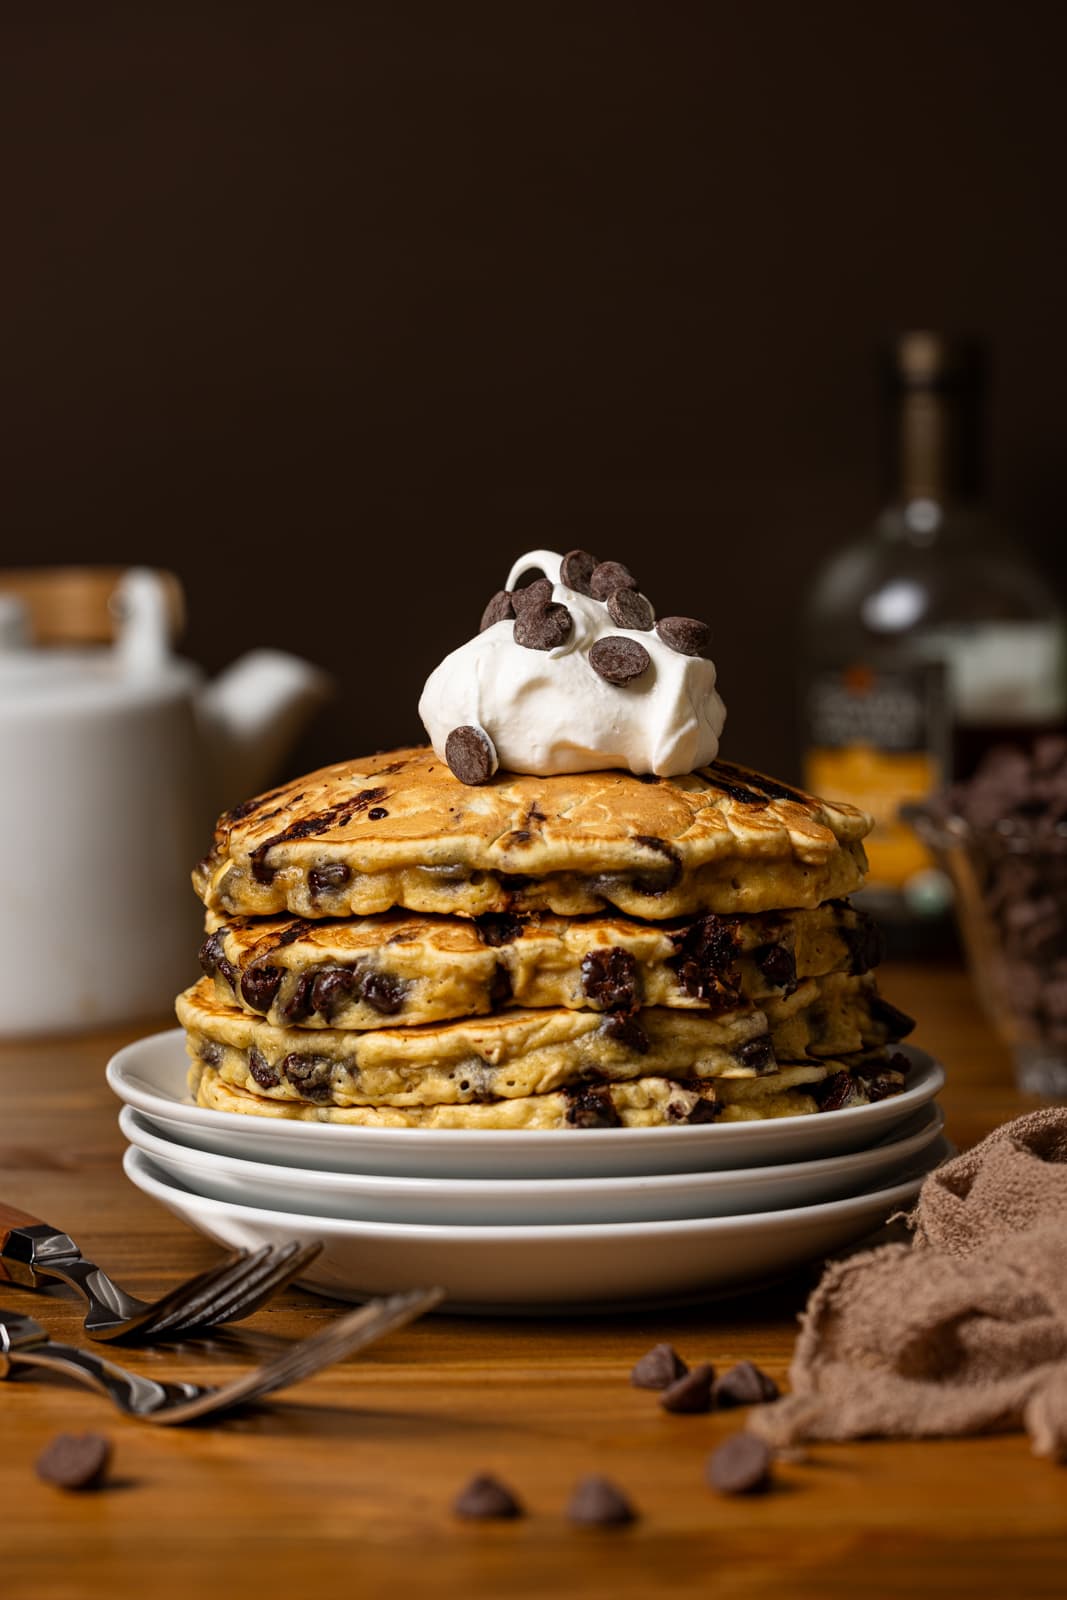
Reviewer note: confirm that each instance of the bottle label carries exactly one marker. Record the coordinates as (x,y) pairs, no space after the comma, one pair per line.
(877,738)
(1003,672)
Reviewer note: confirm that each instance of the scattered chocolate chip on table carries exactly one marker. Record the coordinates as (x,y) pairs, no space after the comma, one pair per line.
(691,1393)
(75,1460)
(485,1498)
(658,1368)
(740,1466)
(598,1503)
(744,1385)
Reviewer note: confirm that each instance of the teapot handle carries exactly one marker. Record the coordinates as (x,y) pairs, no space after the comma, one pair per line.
(142,605)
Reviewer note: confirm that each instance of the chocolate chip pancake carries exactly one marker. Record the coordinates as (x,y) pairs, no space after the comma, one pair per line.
(529,1052)
(417,969)
(641,1103)
(398,830)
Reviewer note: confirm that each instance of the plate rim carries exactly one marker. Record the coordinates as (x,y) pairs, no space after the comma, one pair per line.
(530,1139)
(493,1188)
(527,1233)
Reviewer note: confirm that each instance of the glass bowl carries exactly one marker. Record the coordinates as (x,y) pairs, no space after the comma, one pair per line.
(1010,882)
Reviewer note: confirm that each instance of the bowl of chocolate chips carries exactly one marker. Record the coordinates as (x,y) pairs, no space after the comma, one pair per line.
(1002,837)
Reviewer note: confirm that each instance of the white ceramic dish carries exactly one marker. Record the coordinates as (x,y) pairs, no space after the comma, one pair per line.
(480,1202)
(151,1076)
(566,1269)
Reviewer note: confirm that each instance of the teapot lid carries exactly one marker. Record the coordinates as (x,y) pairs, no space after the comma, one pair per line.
(137,668)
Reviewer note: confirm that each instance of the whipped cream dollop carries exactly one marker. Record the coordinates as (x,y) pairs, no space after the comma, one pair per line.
(548,709)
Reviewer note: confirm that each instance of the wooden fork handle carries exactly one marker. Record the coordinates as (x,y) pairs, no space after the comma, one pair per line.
(10,1219)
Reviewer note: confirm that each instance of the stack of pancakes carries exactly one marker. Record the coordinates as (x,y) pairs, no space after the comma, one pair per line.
(389,947)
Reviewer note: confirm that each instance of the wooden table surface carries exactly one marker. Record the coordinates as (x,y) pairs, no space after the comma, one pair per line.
(343,1487)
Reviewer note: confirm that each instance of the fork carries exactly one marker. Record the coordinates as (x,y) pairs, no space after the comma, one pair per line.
(31,1252)
(24,1343)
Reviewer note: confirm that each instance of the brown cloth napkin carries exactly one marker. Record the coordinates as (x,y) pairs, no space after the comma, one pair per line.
(962,1331)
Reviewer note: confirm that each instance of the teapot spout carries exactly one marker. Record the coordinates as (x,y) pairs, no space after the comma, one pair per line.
(252,714)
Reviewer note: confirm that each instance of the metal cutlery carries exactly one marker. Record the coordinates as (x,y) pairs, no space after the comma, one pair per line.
(24,1343)
(32,1253)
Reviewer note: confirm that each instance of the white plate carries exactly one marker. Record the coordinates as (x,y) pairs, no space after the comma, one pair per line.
(510,1269)
(481,1202)
(151,1076)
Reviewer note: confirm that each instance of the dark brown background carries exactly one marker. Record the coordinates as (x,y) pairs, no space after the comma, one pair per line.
(335,309)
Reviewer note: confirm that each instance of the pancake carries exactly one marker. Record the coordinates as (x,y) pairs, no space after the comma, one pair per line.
(519,1053)
(643,1103)
(398,830)
(420,969)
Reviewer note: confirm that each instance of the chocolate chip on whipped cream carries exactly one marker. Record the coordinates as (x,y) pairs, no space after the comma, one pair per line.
(501,608)
(576,570)
(470,754)
(525,680)
(619,660)
(628,609)
(684,634)
(537,593)
(542,625)
(609,576)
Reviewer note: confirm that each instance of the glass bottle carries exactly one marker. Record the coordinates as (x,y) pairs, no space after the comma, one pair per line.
(926,640)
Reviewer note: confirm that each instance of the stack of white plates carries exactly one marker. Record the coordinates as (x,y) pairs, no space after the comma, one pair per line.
(530,1221)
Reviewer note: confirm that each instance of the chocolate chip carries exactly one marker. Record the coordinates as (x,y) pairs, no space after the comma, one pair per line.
(646,883)
(609,978)
(211,953)
(75,1460)
(744,1385)
(628,609)
(262,871)
(624,1029)
(470,755)
(332,989)
(691,1393)
(777,964)
(543,627)
(486,1497)
(684,634)
(259,985)
(865,943)
(309,1074)
(384,993)
(213,959)
(597,1503)
(376,813)
(609,576)
(882,1087)
(537,593)
(499,609)
(591,1106)
(299,1006)
(740,1466)
(706,963)
(262,1072)
(498,927)
(334,875)
(576,569)
(757,1053)
(706,1109)
(658,1368)
(836,1092)
(619,660)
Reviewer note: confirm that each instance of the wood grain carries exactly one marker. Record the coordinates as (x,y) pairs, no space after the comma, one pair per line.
(344,1487)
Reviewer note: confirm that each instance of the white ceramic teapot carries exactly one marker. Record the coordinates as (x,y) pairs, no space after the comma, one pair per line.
(113,765)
